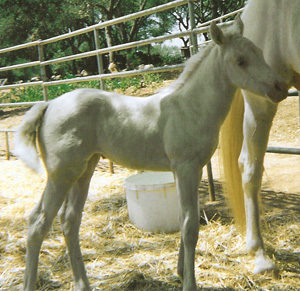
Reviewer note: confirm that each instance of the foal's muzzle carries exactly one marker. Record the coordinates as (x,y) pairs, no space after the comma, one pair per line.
(278,92)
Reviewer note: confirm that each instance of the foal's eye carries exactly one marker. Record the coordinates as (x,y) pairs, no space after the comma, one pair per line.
(241,62)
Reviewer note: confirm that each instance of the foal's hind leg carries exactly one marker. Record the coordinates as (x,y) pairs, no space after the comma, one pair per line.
(70,216)
(40,221)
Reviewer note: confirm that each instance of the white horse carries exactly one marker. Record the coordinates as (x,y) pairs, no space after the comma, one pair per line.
(176,129)
(274,27)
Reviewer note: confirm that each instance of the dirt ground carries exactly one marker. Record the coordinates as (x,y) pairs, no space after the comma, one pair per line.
(119,256)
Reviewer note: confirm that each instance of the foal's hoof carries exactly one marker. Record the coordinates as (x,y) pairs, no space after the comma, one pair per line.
(263,264)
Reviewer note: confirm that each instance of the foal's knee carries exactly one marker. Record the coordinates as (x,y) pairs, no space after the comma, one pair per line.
(190,229)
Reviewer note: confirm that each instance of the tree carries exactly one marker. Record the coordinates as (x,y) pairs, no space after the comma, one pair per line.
(137,29)
(23,21)
(30,20)
(205,10)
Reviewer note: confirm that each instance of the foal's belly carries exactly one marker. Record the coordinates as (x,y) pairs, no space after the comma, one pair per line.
(142,165)
(138,156)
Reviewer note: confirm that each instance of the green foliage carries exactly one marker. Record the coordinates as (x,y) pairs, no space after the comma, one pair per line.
(122,83)
(30,20)
(170,55)
(23,21)
(35,93)
(26,94)
(152,78)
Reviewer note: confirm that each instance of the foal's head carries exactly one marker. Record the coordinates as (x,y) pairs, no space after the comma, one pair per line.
(245,65)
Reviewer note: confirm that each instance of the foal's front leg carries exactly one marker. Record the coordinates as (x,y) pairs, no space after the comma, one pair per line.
(187,177)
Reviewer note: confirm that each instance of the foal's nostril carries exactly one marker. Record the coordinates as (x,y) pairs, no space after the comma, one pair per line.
(279,91)
(280,86)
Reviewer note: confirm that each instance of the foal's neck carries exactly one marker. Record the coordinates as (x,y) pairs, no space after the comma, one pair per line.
(208,90)
(212,78)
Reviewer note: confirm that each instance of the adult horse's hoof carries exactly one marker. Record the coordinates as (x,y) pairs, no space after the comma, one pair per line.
(263,263)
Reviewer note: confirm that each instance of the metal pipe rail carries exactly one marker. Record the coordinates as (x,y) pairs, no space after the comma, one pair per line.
(42,63)
(132,44)
(113,48)
(221,17)
(117,75)
(102,51)
(19,47)
(88,78)
(132,16)
(281,150)
(20,104)
(20,66)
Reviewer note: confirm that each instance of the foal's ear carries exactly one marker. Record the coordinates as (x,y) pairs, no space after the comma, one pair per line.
(238,24)
(216,34)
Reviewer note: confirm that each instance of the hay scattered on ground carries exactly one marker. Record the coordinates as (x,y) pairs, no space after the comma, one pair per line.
(118,256)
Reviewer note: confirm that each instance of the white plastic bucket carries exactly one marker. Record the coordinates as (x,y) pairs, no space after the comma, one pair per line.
(152,201)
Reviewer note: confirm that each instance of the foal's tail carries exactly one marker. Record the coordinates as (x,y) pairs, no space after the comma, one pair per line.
(26,147)
(231,139)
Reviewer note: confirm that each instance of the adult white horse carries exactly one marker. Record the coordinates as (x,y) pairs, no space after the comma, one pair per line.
(176,129)
(274,27)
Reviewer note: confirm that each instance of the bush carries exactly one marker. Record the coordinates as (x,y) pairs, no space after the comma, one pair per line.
(35,93)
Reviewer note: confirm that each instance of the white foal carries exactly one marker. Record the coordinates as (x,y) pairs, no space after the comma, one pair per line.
(176,129)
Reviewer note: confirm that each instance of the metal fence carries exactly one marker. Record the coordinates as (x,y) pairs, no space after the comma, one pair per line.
(287,150)
(42,63)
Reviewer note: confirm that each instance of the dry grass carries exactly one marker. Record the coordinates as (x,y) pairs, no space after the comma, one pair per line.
(118,256)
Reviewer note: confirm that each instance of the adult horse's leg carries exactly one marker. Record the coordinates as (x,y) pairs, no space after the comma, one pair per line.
(40,221)
(187,177)
(70,216)
(259,114)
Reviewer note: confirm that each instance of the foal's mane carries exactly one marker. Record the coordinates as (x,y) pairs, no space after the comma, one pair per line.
(190,66)
(195,61)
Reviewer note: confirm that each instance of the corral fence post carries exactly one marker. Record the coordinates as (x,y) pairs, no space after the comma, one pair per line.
(99,58)
(7,146)
(102,82)
(299,107)
(193,37)
(43,71)
(194,50)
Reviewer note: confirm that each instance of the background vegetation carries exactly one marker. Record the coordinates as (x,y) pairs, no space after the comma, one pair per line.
(23,21)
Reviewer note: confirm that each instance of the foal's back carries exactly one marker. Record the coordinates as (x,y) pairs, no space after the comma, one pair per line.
(118,127)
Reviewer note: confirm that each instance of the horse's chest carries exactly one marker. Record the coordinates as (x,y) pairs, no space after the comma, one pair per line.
(191,141)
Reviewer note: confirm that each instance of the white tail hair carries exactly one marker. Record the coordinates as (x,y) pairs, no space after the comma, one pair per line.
(26,143)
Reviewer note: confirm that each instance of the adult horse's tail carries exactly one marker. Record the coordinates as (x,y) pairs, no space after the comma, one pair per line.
(26,147)
(231,139)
